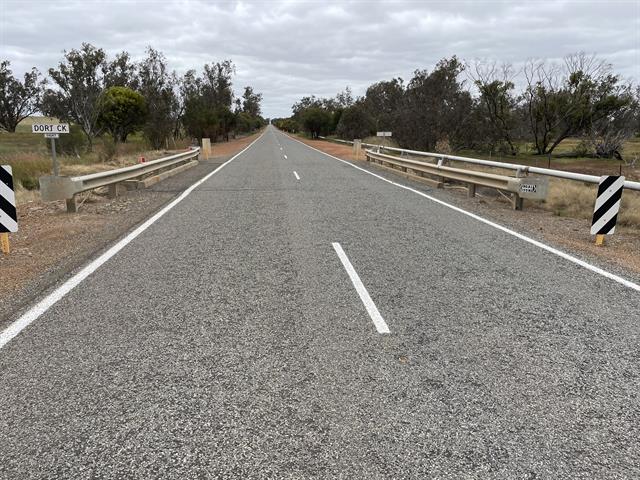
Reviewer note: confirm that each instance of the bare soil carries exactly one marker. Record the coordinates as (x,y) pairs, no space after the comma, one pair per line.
(621,252)
(51,243)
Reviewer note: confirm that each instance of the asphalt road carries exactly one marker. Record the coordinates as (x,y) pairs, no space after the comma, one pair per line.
(228,340)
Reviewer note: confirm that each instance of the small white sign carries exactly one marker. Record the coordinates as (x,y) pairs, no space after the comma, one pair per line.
(383,134)
(50,128)
(51,135)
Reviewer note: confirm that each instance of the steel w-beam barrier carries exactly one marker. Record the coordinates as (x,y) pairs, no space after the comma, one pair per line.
(579,177)
(66,188)
(534,188)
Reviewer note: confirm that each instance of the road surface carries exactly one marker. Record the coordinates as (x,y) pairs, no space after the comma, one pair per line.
(243,334)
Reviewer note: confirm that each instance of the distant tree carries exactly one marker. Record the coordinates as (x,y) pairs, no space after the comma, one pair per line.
(121,72)
(216,86)
(317,121)
(383,101)
(345,99)
(226,121)
(355,122)
(18,99)
(122,111)
(606,136)
(80,84)
(159,88)
(498,101)
(251,102)
(435,107)
(565,101)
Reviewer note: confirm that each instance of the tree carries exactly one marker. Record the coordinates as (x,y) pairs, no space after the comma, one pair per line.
(435,107)
(355,122)
(317,121)
(18,100)
(158,87)
(251,102)
(121,72)
(122,111)
(563,102)
(497,101)
(606,136)
(344,99)
(80,84)
(216,86)
(207,112)
(383,100)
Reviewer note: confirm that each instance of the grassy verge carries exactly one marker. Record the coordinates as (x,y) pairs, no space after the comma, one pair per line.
(30,158)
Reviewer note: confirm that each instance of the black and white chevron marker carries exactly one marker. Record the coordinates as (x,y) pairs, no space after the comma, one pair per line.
(607,206)
(8,214)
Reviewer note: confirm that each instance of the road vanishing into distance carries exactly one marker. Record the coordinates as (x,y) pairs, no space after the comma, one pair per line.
(294,316)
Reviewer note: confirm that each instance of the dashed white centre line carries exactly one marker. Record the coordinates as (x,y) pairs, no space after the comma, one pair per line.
(378,321)
(295,174)
(286,157)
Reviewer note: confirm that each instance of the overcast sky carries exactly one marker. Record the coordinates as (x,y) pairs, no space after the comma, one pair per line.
(288,49)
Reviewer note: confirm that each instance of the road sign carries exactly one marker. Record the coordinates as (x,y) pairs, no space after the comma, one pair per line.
(52,131)
(8,214)
(50,128)
(383,134)
(605,213)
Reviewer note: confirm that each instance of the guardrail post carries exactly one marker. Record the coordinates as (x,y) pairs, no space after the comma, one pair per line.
(471,190)
(206,148)
(113,190)
(357,148)
(72,206)
(517,202)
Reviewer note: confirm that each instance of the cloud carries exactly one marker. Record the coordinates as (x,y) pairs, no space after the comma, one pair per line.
(287,49)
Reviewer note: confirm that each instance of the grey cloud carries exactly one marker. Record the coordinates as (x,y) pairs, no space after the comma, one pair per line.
(287,49)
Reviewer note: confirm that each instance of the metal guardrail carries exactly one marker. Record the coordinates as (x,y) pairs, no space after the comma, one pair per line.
(521,187)
(66,188)
(580,177)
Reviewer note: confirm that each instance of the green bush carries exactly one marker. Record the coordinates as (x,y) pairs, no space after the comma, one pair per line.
(72,143)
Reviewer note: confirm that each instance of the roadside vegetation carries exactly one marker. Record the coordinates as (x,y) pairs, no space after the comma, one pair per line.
(119,110)
(578,116)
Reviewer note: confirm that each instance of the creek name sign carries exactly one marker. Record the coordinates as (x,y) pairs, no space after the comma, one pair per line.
(52,131)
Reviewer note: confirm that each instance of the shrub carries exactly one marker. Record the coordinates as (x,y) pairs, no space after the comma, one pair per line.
(72,143)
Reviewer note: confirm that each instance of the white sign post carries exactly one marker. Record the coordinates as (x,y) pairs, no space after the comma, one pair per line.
(52,131)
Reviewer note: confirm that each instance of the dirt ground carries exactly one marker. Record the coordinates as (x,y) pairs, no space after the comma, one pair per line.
(51,243)
(622,250)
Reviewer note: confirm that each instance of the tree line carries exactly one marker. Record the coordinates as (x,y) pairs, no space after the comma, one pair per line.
(117,97)
(479,106)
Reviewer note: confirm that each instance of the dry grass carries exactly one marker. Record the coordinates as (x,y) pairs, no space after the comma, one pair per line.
(25,196)
(27,167)
(576,200)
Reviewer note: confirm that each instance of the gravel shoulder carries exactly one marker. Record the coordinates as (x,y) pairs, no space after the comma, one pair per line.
(620,255)
(51,244)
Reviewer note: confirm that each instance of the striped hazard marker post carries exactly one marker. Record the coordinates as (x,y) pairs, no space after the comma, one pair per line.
(8,214)
(607,206)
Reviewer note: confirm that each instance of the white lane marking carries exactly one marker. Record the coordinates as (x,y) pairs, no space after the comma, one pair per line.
(378,321)
(555,251)
(46,303)
(296,175)
(285,157)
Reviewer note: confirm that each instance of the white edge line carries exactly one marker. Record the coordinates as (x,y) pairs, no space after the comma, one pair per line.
(43,305)
(378,321)
(555,251)
(296,175)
